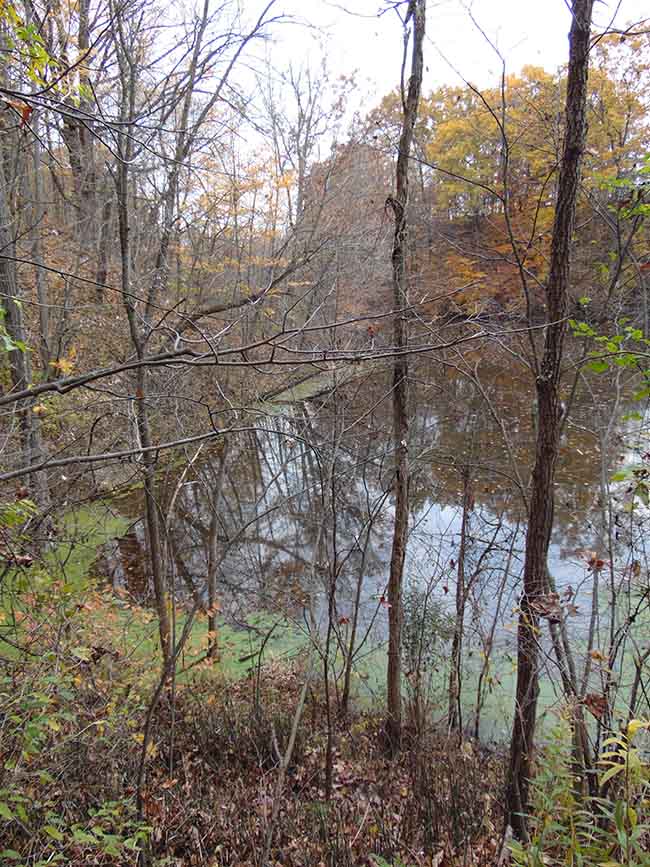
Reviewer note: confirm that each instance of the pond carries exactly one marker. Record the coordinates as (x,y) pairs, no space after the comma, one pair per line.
(293,515)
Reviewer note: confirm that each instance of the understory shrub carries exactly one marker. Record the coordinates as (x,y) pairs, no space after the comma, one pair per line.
(611,829)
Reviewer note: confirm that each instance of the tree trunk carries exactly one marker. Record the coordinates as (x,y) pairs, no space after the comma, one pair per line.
(540,514)
(101,276)
(19,357)
(416,13)
(140,405)
(79,138)
(37,219)
(213,550)
(455,716)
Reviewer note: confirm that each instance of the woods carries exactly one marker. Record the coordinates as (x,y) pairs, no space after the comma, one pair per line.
(324,469)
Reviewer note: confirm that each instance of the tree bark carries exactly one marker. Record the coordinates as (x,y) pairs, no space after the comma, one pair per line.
(19,359)
(455,668)
(393,729)
(78,136)
(213,550)
(540,515)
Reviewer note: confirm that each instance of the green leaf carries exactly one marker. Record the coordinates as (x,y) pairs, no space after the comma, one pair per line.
(611,772)
(81,836)
(53,832)
(11,854)
(6,813)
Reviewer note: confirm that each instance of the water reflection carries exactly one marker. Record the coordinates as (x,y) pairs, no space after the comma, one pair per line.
(295,515)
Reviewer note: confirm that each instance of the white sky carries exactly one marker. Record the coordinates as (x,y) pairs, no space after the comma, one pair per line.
(526,32)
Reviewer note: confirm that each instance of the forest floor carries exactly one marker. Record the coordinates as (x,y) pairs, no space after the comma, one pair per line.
(213,790)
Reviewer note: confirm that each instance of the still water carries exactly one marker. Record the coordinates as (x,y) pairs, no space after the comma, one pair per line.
(293,515)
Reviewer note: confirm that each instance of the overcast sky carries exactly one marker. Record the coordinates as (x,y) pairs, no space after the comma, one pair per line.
(526,32)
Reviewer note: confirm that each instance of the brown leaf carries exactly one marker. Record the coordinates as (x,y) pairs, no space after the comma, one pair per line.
(596,704)
(548,606)
(595,563)
(25,114)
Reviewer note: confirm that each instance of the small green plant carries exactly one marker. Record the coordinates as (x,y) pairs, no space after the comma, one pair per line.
(378,861)
(39,725)
(607,830)
(426,628)
(7,342)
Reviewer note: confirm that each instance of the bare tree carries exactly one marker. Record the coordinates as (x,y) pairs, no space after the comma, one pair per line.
(455,669)
(416,13)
